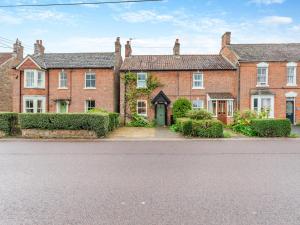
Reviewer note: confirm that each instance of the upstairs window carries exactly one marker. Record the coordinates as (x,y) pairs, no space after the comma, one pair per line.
(90,80)
(262,74)
(198,104)
(197,80)
(141,80)
(292,74)
(63,80)
(34,79)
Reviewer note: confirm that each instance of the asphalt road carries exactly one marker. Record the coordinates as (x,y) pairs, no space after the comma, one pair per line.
(150,183)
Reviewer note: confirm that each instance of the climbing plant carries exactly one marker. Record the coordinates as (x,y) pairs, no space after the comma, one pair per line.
(132,93)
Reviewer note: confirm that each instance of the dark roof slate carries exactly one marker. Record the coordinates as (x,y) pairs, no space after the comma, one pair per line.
(75,60)
(267,52)
(171,62)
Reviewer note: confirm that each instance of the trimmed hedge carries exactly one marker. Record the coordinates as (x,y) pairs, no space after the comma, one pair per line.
(200,128)
(271,127)
(8,122)
(98,122)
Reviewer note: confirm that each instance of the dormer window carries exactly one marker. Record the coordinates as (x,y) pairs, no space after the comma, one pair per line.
(141,81)
(262,74)
(292,74)
(34,79)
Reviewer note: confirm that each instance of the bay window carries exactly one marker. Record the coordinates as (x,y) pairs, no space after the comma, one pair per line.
(263,103)
(212,107)
(230,108)
(34,79)
(34,104)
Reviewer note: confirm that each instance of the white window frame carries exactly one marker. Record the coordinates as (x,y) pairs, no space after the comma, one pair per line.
(200,106)
(198,80)
(145,81)
(60,80)
(86,74)
(35,100)
(35,79)
(86,104)
(262,65)
(230,105)
(259,103)
(294,66)
(137,107)
(210,104)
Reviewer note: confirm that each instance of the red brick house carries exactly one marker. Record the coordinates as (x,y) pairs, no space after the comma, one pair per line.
(267,76)
(67,82)
(208,81)
(8,60)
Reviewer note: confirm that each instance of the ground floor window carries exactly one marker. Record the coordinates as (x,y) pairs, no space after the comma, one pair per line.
(212,107)
(230,108)
(198,104)
(263,103)
(62,106)
(90,104)
(34,104)
(141,107)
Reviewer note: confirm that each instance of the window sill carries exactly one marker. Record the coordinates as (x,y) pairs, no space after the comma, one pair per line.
(291,85)
(62,88)
(259,85)
(34,88)
(198,88)
(90,88)
(141,87)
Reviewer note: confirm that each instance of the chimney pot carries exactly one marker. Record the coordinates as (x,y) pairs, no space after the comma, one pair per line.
(18,49)
(39,49)
(176,49)
(226,39)
(128,49)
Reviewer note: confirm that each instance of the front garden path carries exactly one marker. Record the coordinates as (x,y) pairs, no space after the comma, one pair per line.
(144,133)
(296,130)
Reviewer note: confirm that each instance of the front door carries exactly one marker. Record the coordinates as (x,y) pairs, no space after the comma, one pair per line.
(290,110)
(62,107)
(161,115)
(222,111)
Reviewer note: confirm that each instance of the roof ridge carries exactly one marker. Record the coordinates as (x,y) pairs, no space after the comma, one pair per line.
(292,43)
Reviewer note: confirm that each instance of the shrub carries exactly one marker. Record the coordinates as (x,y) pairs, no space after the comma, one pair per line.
(200,114)
(98,122)
(180,107)
(139,121)
(114,118)
(180,122)
(242,122)
(207,128)
(8,122)
(271,127)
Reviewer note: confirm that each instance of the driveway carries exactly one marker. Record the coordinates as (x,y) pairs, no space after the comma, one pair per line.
(150,183)
(143,133)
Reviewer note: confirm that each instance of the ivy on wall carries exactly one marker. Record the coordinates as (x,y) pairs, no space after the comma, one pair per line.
(132,93)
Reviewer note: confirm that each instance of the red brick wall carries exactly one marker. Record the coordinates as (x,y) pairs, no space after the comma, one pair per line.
(179,84)
(277,79)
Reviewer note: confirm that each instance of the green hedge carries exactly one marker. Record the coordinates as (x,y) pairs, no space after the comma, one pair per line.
(8,122)
(98,122)
(271,127)
(200,128)
(114,121)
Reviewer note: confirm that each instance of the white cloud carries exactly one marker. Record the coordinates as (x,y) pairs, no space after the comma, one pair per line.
(144,16)
(276,20)
(9,18)
(267,2)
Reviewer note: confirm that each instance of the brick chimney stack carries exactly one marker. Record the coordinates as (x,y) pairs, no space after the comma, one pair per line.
(39,49)
(176,49)
(226,39)
(18,50)
(118,53)
(128,49)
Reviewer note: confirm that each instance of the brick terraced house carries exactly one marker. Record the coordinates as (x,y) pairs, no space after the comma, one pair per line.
(8,60)
(267,77)
(67,82)
(208,81)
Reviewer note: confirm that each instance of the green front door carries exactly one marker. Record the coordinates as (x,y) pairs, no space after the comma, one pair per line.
(161,115)
(62,107)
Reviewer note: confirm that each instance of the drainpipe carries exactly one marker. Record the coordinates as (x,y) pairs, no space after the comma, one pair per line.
(239,86)
(48,91)
(20,97)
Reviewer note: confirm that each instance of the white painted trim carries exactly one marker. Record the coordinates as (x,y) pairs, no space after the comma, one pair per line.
(59,78)
(26,58)
(259,97)
(137,106)
(35,79)
(146,76)
(291,65)
(193,80)
(294,100)
(200,100)
(34,98)
(85,104)
(262,65)
(57,106)
(291,94)
(89,73)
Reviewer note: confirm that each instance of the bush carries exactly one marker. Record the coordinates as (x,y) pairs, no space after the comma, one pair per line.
(242,122)
(200,128)
(98,122)
(200,114)
(271,127)
(139,121)
(180,107)
(114,118)
(207,128)
(8,122)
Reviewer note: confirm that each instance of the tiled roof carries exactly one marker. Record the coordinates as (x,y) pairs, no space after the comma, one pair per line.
(4,57)
(75,60)
(267,52)
(171,62)
(220,95)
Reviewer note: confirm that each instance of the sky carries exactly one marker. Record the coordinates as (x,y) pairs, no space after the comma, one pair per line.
(152,26)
